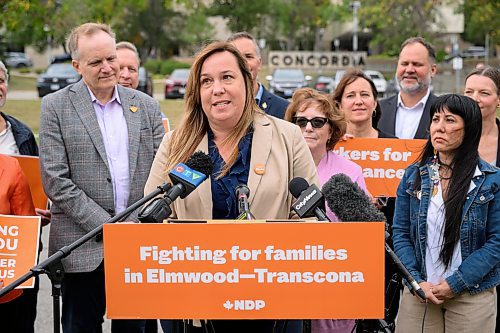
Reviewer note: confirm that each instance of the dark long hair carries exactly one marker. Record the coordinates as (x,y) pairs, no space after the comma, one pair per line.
(463,165)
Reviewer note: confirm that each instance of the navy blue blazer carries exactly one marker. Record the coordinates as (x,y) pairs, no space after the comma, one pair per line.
(273,105)
(389,107)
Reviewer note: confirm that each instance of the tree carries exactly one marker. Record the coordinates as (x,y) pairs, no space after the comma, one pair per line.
(154,26)
(296,24)
(241,15)
(393,21)
(481,18)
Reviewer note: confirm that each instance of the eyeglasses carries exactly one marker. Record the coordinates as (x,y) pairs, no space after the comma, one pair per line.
(316,122)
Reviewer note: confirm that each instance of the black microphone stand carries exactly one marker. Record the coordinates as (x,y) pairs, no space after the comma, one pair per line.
(52,266)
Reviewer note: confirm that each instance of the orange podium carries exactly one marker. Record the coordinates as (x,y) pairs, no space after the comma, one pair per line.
(245,270)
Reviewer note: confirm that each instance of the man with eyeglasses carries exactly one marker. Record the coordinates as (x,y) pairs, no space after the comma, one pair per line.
(97,143)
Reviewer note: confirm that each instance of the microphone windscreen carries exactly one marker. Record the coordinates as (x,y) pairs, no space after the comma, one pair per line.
(201,162)
(242,190)
(297,185)
(348,201)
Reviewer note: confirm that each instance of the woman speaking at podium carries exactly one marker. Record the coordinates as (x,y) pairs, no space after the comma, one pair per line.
(245,145)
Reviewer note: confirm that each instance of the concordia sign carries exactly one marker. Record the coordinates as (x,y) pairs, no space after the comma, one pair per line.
(310,59)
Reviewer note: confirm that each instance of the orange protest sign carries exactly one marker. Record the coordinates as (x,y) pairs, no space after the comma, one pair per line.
(166,124)
(245,270)
(31,169)
(383,161)
(18,247)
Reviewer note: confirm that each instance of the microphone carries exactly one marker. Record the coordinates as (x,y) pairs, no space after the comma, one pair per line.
(185,179)
(350,203)
(309,199)
(242,192)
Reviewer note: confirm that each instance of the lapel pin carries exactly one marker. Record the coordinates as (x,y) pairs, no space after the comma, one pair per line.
(259,169)
(133,109)
(264,105)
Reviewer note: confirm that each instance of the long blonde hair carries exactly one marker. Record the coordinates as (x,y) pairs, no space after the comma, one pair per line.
(194,124)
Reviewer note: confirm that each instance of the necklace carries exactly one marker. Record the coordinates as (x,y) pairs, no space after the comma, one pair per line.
(435,177)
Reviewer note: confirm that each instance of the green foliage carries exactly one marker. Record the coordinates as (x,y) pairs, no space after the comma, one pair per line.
(441,55)
(298,22)
(168,66)
(481,18)
(153,66)
(393,21)
(24,70)
(164,67)
(197,30)
(154,26)
(241,15)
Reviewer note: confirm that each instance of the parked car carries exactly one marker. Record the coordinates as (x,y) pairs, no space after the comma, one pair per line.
(379,81)
(377,78)
(145,82)
(65,57)
(175,85)
(57,76)
(474,52)
(324,84)
(392,87)
(17,60)
(337,78)
(285,81)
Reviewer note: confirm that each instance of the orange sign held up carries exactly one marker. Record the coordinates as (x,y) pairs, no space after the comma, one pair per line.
(19,237)
(383,161)
(31,168)
(245,270)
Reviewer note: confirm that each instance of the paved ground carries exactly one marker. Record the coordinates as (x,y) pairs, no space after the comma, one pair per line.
(44,319)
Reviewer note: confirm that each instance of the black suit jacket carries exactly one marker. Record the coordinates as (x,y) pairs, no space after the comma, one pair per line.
(273,105)
(389,107)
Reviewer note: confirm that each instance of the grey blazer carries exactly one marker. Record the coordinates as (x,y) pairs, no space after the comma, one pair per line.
(387,121)
(74,166)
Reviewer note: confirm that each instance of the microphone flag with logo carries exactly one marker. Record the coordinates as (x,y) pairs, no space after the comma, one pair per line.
(185,179)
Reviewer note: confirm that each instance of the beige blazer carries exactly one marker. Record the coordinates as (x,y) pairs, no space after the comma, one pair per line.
(277,146)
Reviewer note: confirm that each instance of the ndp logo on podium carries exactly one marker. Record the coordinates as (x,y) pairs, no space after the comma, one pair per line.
(244,305)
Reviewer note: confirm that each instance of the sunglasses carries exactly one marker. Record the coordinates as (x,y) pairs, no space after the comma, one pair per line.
(316,122)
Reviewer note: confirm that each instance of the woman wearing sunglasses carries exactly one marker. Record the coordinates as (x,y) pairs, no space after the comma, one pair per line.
(322,126)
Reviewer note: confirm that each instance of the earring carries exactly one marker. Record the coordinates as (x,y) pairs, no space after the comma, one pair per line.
(374,114)
(435,173)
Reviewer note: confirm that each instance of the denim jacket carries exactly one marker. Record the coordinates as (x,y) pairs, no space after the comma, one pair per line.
(479,231)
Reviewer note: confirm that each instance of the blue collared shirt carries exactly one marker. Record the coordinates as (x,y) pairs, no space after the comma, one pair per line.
(114,132)
(258,97)
(224,201)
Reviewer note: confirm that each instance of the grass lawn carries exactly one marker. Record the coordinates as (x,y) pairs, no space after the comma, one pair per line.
(26,111)
(23,83)
(29,111)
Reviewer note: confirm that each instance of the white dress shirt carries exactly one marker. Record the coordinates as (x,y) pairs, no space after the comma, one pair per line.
(408,119)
